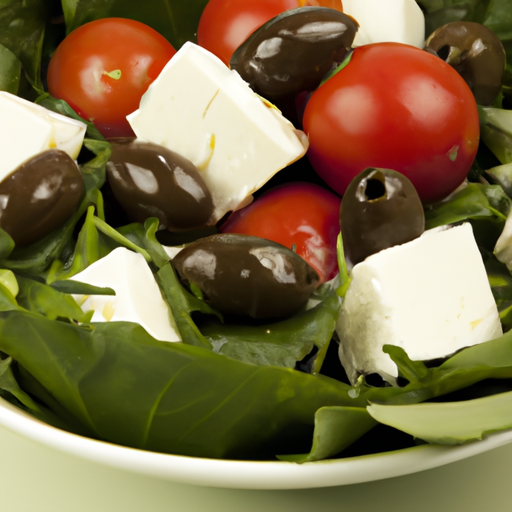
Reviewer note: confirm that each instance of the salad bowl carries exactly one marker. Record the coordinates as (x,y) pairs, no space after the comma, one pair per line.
(263,475)
(212,467)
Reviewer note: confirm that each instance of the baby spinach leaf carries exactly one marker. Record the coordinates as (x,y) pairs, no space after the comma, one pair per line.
(22,29)
(127,388)
(449,422)
(280,343)
(472,201)
(336,428)
(51,303)
(10,71)
(174,19)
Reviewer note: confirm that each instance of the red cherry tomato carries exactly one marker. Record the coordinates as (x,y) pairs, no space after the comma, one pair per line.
(103,68)
(226,24)
(397,107)
(303,215)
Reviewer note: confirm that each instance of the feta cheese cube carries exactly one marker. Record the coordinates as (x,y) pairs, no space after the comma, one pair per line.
(27,129)
(398,21)
(430,296)
(138,297)
(202,110)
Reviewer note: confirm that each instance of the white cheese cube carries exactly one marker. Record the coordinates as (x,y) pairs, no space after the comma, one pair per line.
(202,110)
(503,248)
(430,296)
(27,129)
(398,21)
(138,297)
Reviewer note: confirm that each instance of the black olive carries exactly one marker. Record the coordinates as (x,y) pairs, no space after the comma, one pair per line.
(380,209)
(149,180)
(247,276)
(39,195)
(475,52)
(293,52)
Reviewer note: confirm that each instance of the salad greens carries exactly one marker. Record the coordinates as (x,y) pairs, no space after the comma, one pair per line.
(229,391)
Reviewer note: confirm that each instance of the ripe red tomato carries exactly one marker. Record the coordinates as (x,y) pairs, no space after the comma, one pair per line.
(103,68)
(397,107)
(226,24)
(297,214)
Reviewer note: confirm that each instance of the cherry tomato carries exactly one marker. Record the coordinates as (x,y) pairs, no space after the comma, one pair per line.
(297,214)
(226,24)
(397,107)
(103,68)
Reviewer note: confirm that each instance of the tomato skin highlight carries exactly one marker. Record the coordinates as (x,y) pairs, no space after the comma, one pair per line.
(103,68)
(226,24)
(396,107)
(297,214)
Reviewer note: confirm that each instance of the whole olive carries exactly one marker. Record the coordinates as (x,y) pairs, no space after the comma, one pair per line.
(293,52)
(247,276)
(149,180)
(380,209)
(475,52)
(39,195)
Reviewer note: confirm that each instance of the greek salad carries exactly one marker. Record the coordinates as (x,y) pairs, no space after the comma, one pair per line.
(288,238)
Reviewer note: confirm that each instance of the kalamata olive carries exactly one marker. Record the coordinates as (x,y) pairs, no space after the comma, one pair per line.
(39,195)
(247,276)
(292,52)
(380,209)
(475,52)
(149,180)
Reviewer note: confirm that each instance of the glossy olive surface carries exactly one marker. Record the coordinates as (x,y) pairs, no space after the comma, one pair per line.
(39,195)
(247,276)
(293,52)
(149,180)
(380,209)
(475,52)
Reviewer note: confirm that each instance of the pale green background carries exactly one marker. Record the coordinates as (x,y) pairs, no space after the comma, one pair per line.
(34,478)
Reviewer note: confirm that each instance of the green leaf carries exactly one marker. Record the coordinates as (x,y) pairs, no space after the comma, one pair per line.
(45,300)
(62,107)
(336,428)
(22,29)
(128,388)
(471,202)
(281,343)
(176,20)
(10,71)
(449,422)
(496,132)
